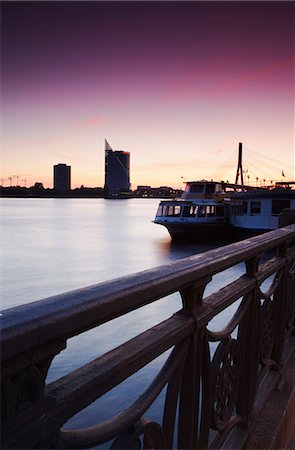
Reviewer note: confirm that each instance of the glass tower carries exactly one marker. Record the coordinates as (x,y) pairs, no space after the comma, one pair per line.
(117,171)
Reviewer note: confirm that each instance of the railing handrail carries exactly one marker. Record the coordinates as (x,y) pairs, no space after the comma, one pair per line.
(65,315)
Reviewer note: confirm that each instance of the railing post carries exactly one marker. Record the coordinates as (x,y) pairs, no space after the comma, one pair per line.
(280,306)
(23,386)
(188,422)
(249,341)
(290,312)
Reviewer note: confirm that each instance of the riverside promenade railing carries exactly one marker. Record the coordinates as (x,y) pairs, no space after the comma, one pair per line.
(212,392)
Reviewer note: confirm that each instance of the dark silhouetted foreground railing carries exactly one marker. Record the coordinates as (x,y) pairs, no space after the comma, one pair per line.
(213,391)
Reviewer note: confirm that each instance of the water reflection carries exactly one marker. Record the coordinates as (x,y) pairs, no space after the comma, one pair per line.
(56,245)
(175,249)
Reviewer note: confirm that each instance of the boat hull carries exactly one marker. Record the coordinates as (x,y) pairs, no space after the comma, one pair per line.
(200,231)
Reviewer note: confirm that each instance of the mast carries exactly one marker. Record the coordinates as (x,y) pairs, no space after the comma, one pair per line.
(240,168)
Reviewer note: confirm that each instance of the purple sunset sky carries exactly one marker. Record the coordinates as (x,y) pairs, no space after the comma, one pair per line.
(178,84)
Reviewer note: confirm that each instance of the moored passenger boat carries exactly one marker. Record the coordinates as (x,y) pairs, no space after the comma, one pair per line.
(202,209)
(208,206)
(234,207)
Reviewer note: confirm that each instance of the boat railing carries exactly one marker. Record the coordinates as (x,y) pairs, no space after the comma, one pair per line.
(214,381)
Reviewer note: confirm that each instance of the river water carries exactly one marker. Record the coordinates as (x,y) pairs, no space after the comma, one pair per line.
(50,246)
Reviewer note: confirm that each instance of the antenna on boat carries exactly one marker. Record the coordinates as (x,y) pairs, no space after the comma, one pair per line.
(240,168)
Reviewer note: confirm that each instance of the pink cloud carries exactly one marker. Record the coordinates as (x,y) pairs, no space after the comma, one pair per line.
(258,74)
(92,121)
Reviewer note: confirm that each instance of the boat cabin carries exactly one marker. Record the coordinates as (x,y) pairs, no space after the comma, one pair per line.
(199,217)
(207,189)
(259,209)
(188,210)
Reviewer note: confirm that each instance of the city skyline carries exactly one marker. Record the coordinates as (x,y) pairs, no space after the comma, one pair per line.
(178,85)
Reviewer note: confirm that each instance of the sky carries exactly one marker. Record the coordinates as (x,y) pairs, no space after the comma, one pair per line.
(177,84)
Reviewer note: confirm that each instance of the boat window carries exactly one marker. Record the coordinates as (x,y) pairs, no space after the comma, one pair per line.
(189,211)
(206,211)
(255,207)
(278,206)
(245,207)
(210,188)
(196,188)
(210,210)
(202,211)
(219,211)
(173,211)
(177,210)
(160,211)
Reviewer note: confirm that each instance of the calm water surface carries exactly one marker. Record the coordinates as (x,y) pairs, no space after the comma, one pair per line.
(50,246)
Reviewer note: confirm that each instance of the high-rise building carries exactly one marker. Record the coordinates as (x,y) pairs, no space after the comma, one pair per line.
(117,171)
(62,177)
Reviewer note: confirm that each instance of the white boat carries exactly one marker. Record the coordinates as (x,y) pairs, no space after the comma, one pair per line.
(202,209)
(260,209)
(207,207)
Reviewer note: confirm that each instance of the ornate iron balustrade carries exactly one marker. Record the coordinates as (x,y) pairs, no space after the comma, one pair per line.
(213,394)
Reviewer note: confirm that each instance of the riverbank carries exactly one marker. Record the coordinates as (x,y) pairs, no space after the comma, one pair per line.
(38,191)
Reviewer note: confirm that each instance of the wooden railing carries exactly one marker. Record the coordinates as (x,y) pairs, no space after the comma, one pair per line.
(212,392)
